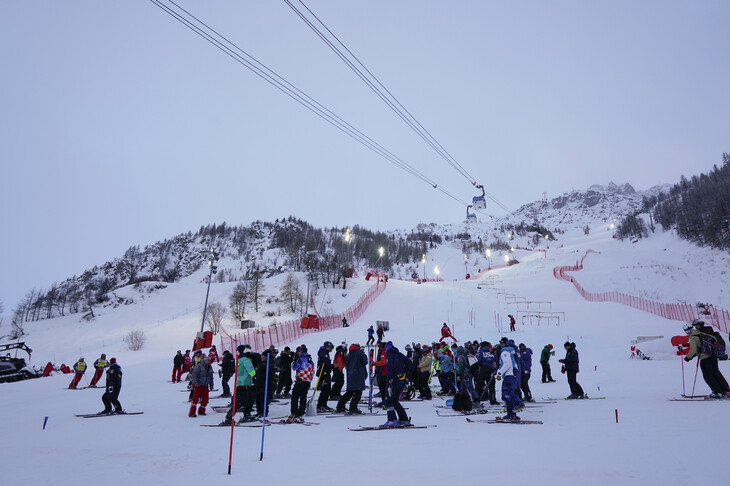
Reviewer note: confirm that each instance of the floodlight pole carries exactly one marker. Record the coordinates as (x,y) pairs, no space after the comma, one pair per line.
(213,269)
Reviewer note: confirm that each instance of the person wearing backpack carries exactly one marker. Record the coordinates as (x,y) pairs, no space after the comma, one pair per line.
(702,346)
(464,375)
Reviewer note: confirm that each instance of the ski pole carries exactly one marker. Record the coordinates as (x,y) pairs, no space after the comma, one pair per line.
(233,416)
(683,391)
(695,382)
(266,396)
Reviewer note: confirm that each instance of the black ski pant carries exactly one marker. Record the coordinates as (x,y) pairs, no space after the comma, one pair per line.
(244,401)
(393,401)
(575,388)
(284,383)
(422,384)
(524,384)
(299,398)
(325,385)
(109,399)
(354,396)
(338,382)
(546,374)
(224,381)
(713,377)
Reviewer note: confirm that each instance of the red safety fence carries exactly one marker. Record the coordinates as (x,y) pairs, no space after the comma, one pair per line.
(718,318)
(280,333)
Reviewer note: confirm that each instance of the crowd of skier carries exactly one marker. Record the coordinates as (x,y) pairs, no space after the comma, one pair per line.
(469,372)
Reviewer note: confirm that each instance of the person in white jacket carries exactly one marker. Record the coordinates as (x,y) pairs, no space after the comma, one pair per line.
(509,373)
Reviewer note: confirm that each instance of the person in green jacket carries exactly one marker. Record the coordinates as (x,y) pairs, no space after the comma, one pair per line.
(547,351)
(244,391)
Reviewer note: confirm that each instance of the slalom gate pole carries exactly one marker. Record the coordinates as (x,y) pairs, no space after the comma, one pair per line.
(370,377)
(698,369)
(266,396)
(233,415)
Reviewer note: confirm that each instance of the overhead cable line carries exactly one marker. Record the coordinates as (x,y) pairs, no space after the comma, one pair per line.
(258,68)
(384,94)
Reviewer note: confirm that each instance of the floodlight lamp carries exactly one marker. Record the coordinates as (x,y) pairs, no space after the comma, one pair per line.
(506,258)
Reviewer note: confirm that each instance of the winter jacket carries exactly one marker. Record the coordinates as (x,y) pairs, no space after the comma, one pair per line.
(80,367)
(526,360)
(485,356)
(508,362)
(246,371)
(545,354)
(100,364)
(228,366)
(202,375)
(356,364)
(178,360)
(571,359)
(324,363)
(339,361)
(213,355)
(396,365)
(114,378)
(445,363)
(304,367)
(695,345)
(426,361)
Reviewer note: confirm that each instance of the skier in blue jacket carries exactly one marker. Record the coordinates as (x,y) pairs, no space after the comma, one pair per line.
(526,355)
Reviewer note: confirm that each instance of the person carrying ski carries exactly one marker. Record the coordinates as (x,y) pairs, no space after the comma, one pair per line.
(571,364)
(446,333)
(228,369)
(79,370)
(244,380)
(177,367)
(99,365)
(371,338)
(380,373)
(508,373)
(112,389)
(304,369)
(356,365)
(202,381)
(526,368)
(545,354)
(396,365)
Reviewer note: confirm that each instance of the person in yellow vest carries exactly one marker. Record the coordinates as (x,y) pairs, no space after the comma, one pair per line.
(99,365)
(79,370)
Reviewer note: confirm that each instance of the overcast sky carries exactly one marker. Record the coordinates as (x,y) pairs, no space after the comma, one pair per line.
(121,127)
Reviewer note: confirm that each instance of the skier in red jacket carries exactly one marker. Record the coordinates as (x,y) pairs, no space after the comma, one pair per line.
(446,333)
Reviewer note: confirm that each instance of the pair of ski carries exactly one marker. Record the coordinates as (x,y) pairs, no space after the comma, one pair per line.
(697,398)
(503,421)
(348,414)
(362,428)
(111,414)
(575,399)
(260,423)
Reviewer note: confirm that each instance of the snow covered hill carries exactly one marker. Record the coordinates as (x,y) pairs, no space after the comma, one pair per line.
(652,442)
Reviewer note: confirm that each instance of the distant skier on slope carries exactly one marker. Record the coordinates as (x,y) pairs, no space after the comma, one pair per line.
(99,365)
(446,333)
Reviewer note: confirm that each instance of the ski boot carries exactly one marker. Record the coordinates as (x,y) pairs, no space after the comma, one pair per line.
(389,423)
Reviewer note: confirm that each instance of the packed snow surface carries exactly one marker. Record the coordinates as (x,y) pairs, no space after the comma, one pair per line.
(655,441)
